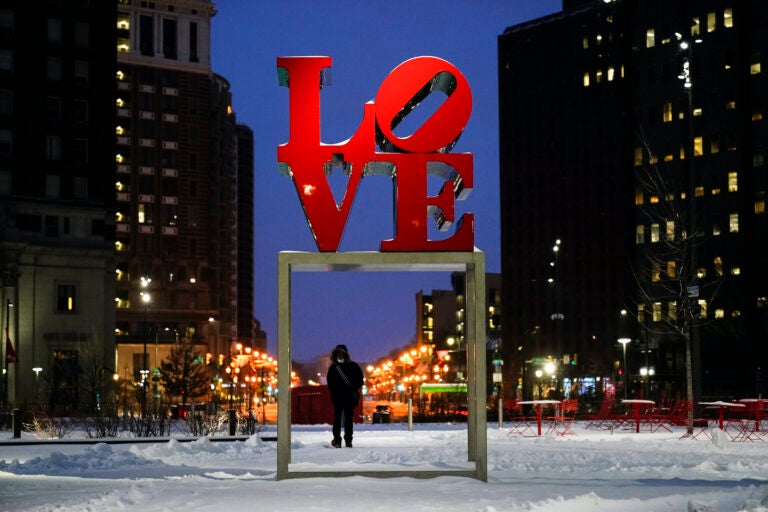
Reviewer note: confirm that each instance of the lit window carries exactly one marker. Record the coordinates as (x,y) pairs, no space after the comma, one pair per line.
(754,64)
(701,273)
(702,308)
(638,196)
(585,42)
(719,313)
(697,111)
(733,223)
(762,302)
(654,199)
(695,26)
(667,112)
(711,21)
(670,230)
(718,263)
(598,76)
(123,45)
(759,205)
(650,38)
(736,271)
(611,74)
(715,191)
(65,298)
(586,80)
(638,156)
(728,17)
(757,116)
(123,23)
(671,269)
(669,158)
(119,158)
(715,229)
(639,234)
(672,310)
(655,273)
(142,216)
(119,102)
(698,146)
(641,313)
(699,191)
(654,233)
(730,105)
(657,311)
(733,181)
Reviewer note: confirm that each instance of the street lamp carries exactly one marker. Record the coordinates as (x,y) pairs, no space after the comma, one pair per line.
(145,298)
(624,342)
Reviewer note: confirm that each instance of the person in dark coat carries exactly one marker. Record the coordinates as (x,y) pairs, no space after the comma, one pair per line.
(345,378)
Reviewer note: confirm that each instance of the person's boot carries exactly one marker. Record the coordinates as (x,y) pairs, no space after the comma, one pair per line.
(348,443)
(336,443)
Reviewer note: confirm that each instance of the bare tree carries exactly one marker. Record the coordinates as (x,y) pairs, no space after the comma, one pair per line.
(667,273)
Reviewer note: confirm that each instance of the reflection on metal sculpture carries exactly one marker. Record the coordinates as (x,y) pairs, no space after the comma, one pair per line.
(408,160)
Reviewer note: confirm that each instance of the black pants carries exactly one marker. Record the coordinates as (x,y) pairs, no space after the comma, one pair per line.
(345,411)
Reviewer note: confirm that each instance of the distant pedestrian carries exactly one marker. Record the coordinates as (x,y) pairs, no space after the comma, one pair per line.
(345,378)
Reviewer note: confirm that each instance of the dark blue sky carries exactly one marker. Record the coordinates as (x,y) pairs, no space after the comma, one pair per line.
(371,313)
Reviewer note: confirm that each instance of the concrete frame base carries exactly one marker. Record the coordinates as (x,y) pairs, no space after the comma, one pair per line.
(472,263)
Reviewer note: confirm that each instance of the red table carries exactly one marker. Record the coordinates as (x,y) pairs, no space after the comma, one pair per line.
(538,404)
(721,405)
(637,403)
(758,404)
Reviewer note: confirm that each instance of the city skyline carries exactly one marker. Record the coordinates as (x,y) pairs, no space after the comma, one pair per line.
(331,308)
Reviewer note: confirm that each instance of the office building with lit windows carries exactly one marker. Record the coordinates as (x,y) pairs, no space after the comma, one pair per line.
(633,132)
(184,190)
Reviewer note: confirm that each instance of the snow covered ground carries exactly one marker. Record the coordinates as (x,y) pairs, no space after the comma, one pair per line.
(591,471)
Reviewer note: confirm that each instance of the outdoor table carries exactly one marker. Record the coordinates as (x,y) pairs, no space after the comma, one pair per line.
(539,404)
(636,404)
(757,404)
(721,405)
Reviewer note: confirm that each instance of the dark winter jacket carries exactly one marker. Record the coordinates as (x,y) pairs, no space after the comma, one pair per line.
(341,391)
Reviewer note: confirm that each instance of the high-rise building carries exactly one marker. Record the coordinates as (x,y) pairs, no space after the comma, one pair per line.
(184,190)
(632,132)
(57,225)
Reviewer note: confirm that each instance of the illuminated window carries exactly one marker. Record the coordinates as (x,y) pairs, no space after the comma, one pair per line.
(641,313)
(719,313)
(697,111)
(123,22)
(638,156)
(702,308)
(638,196)
(671,269)
(639,234)
(667,112)
(730,105)
(754,65)
(718,263)
(672,310)
(733,181)
(611,72)
(695,26)
(142,215)
(762,302)
(715,191)
(733,223)
(654,199)
(736,271)
(698,146)
(654,233)
(65,298)
(760,203)
(123,45)
(715,229)
(655,273)
(657,311)
(598,76)
(670,230)
(711,21)
(699,191)
(728,17)
(681,153)
(585,80)
(701,273)
(585,42)
(650,38)
(653,159)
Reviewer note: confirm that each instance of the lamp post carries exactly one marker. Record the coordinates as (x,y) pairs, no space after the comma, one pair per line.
(145,298)
(624,342)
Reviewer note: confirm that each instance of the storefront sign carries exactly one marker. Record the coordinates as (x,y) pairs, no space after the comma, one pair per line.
(407,160)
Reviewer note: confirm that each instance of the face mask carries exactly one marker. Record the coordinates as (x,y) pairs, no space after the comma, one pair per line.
(340,360)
